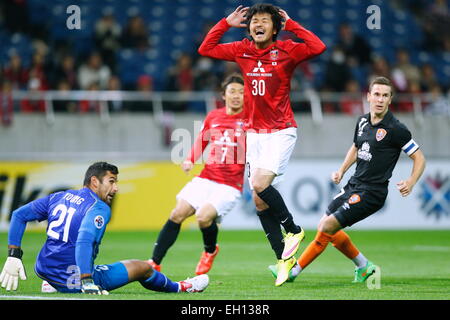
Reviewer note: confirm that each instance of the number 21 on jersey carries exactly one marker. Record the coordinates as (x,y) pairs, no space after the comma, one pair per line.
(54,228)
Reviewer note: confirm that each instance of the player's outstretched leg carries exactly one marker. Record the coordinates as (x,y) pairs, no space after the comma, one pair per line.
(151,279)
(157,281)
(314,249)
(363,267)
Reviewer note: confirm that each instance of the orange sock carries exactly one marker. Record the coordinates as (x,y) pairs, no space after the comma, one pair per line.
(314,249)
(342,242)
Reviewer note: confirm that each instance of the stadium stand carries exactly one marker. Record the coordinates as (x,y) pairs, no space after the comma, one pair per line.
(175,27)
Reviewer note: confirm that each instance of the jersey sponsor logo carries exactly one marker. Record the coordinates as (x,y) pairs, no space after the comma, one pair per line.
(259,68)
(99,222)
(259,71)
(215,125)
(354,199)
(364,152)
(381,133)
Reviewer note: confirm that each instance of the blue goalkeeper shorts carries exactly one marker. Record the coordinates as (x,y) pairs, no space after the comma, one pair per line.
(107,276)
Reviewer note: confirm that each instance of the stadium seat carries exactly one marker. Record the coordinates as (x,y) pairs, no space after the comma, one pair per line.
(175,25)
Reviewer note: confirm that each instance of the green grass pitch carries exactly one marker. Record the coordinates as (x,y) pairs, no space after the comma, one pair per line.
(414,265)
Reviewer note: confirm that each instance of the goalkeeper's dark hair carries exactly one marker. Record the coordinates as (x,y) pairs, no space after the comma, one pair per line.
(232,78)
(99,170)
(277,18)
(383,81)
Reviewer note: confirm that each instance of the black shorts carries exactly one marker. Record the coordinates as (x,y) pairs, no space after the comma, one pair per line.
(356,202)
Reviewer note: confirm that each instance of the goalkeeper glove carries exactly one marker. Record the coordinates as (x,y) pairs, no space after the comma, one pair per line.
(89,287)
(12,270)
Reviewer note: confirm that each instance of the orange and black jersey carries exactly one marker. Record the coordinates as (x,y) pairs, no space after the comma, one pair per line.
(379,148)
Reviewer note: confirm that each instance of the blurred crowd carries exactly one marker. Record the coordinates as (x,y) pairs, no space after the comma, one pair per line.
(62,70)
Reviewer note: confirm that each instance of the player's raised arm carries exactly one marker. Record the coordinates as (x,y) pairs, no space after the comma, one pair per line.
(238,17)
(405,187)
(312,45)
(210,46)
(285,17)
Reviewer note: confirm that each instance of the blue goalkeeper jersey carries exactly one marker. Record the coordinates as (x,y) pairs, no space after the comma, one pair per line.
(76,224)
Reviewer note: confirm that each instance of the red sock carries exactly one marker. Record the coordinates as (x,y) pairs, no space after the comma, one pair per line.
(314,249)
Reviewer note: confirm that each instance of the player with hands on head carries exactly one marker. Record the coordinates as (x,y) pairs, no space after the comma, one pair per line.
(267,65)
(77,221)
(214,193)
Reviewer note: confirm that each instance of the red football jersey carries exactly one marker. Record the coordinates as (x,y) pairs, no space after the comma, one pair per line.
(226,137)
(267,72)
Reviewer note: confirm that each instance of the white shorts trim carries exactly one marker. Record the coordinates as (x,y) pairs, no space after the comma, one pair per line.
(270,151)
(200,191)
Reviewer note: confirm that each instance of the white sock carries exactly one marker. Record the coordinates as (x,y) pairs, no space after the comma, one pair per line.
(360,261)
(296,270)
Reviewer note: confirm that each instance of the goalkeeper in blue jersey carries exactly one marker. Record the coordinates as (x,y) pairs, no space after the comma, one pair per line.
(77,221)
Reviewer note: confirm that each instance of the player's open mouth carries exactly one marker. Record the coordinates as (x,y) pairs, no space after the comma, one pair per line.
(259,32)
